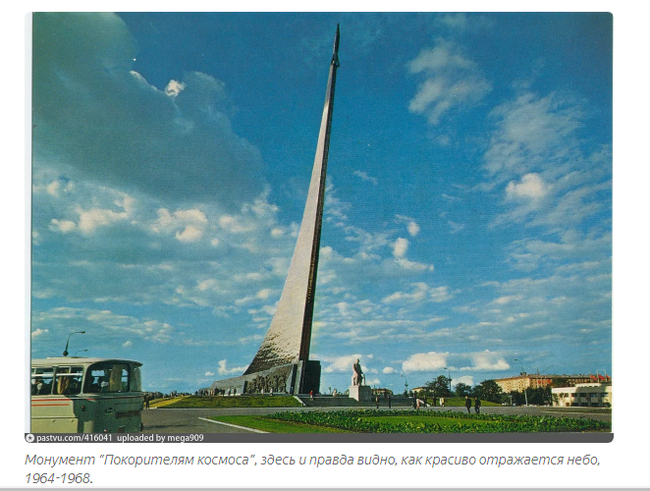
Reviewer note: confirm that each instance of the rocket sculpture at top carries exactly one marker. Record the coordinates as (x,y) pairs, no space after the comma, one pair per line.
(288,338)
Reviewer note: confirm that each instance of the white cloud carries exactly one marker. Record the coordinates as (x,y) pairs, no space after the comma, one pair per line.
(425,362)
(90,220)
(531,186)
(413,229)
(387,370)
(209,374)
(36,333)
(488,361)
(264,294)
(420,292)
(465,379)
(455,362)
(234,224)
(94,218)
(551,176)
(452,81)
(127,344)
(106,326)
(365,177)
(224,370)
(342,364)
(188,225)
(64,226)
(400,246)
(174,88)
(190,233)
(507,299)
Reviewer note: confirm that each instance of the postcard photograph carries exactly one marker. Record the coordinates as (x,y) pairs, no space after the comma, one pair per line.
(323,226)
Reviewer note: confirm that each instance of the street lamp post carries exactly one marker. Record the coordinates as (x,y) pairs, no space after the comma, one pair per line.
(67,343)
(406,385)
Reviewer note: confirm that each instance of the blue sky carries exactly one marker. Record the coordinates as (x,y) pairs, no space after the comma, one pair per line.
(468,216)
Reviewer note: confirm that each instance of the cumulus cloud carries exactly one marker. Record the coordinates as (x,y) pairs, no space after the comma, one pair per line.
(174,88)
(411,225)
(190,233)
(464,379)
(224,370)
(531,186)
(425,362)
(343,363)
(474,361)
(188,225)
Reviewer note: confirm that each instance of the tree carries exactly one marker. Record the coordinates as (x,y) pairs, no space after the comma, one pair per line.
(462,389)
(489,390)
(518,398)
(439,387)
(537,397)
(540,396)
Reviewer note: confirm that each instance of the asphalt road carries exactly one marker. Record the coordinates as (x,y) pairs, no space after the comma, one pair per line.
(194,420)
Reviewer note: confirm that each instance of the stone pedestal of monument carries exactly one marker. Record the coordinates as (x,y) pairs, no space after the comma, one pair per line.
(361,393)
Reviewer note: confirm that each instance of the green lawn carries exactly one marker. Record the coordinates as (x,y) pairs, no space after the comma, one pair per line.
(371,421)
(276,426)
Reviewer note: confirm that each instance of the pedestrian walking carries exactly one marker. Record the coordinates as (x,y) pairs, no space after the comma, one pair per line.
(468,404)
(477,405)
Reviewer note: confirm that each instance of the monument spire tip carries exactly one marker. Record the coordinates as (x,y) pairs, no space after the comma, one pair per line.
(335,55)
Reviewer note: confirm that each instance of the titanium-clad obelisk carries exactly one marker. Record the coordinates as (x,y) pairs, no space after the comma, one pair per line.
(282,362)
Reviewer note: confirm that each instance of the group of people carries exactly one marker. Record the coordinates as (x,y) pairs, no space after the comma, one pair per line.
(477,404)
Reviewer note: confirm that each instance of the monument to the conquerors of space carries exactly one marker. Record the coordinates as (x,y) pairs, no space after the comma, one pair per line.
(282,362)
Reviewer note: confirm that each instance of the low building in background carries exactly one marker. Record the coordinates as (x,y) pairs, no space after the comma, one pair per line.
(589,395)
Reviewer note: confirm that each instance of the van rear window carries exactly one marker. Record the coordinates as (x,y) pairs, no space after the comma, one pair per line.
(107,377)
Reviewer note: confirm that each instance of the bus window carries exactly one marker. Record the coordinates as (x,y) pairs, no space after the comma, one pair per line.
(67,380)
(107,377)
(136,380)
(42,378)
